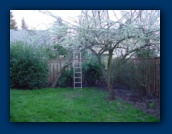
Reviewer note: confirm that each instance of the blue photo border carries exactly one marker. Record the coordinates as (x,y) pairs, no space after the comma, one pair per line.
(166,47)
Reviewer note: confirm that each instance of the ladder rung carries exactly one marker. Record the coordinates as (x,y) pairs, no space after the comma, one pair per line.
(77,82)
(78,77)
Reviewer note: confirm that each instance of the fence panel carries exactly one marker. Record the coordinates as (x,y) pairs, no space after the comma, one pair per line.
(54,68)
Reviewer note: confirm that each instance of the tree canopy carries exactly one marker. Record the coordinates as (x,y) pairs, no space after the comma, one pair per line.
(118,34)
(115,33)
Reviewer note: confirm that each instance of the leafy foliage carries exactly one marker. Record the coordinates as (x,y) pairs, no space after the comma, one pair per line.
(66,79)
(134,76)
(125,75)
(146,53)
(91,72)
(28,68)
(55,51)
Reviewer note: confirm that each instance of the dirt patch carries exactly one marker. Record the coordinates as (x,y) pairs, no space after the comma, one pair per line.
(150,104)
(144,101)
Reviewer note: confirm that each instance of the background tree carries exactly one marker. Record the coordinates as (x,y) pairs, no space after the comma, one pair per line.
(12,22)
(24,26)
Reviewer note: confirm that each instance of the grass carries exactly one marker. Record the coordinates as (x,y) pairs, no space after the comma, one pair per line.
(68,105)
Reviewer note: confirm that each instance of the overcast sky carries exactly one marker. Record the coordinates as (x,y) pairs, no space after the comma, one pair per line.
(36,20)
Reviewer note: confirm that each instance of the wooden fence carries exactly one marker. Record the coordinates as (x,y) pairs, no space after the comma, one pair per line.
(137,73)
(141,73)
(54,68)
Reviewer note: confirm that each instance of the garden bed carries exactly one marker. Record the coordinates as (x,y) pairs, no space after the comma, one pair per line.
(147,102)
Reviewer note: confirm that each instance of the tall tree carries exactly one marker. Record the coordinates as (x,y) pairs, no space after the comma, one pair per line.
(24,26)
(13,24)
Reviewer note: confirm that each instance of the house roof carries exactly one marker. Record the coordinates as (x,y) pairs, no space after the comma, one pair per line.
(38,37)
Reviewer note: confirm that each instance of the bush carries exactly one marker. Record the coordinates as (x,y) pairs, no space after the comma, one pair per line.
(28,70)
(66,79)
(146,52)
(127,74)
(91,72)
(135,76)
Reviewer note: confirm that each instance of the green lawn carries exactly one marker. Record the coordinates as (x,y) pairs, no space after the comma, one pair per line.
(69,105)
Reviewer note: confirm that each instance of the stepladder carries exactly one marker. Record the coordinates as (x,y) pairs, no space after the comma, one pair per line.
(77,69)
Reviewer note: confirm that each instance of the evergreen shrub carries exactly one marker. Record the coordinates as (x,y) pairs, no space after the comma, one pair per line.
(28,66)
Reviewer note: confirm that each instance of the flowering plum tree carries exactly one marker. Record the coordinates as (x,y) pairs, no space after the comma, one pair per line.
(118,34)
(114,33)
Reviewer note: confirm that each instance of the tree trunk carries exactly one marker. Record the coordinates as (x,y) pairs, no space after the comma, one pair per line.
(109,78)
(107,75)
(59,75)
(112,94)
